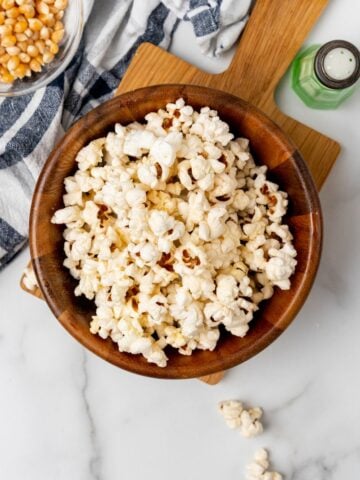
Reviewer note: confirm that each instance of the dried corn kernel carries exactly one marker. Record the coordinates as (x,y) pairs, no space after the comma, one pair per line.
(4,58)
(8,41)
(12,12)
(61,4)
(27,10)
(35,24)
(52,46)
(13,63)
(35,65)
(6,77)
(20,71)
(48,20)
(42,8)
(2,18)
(23,46)
(40,46)
(7,4)
(58,25)
(5,30)
(20,26)
(13,50)
(57,36)
(48,57)
(24,57)
(21,37)
(10,21)
(32,51)
(44,33)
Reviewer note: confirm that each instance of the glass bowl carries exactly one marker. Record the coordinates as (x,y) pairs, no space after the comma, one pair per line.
(74,25)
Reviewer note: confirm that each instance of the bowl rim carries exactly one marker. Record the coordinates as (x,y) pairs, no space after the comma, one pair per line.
(300,294)
(43,82)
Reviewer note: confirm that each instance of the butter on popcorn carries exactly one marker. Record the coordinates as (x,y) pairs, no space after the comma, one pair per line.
(174,231)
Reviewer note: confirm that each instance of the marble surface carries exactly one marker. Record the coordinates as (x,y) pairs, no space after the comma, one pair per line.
(65,414)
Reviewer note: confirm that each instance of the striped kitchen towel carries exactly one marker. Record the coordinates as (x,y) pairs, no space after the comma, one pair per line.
(30,125)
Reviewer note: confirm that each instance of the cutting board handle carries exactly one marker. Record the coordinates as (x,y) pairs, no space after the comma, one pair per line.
(256,71)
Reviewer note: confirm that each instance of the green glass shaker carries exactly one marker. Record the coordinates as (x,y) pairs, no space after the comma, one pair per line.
(324,76)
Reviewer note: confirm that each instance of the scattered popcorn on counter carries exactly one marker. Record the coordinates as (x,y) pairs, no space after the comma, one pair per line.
(236,416)
(174,233)
(258,468)
(29,279)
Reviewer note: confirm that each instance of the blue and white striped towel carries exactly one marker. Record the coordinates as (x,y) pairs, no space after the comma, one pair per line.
(32,124)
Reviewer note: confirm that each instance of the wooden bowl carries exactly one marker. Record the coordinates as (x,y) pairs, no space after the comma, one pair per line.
(269,145)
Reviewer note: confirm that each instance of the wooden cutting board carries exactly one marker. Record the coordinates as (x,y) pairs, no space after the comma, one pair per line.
(275,32)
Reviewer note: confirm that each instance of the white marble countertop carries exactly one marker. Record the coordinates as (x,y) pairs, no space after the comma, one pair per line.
(68,415)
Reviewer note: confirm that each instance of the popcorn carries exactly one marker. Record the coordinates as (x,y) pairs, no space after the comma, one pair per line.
(258,468)
(66,215)
(208,339)
(135,196)
(231,411)
(227,289)
(155,306)
(90,213)
(91,155)
(199,286)
(81,246)
(185,175)
(160,222)
(114,145)
(210,128)
(149,253)
(191,320)
(29,279)
(173,231)
(148,175)
(215,221)
(281,265)
(236,416)
(163,152)
(137,142)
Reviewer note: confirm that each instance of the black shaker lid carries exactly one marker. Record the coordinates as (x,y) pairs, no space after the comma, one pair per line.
(324,77)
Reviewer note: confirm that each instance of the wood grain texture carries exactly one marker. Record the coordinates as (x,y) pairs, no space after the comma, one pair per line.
(213,379)
(275,32)
(270,146)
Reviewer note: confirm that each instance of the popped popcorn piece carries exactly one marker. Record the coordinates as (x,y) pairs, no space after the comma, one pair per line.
(258,468)
(163,152)
(231,411)
(236,416)
(91,155)
(281,266)
(66,215)
(29,279)
(173,231)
